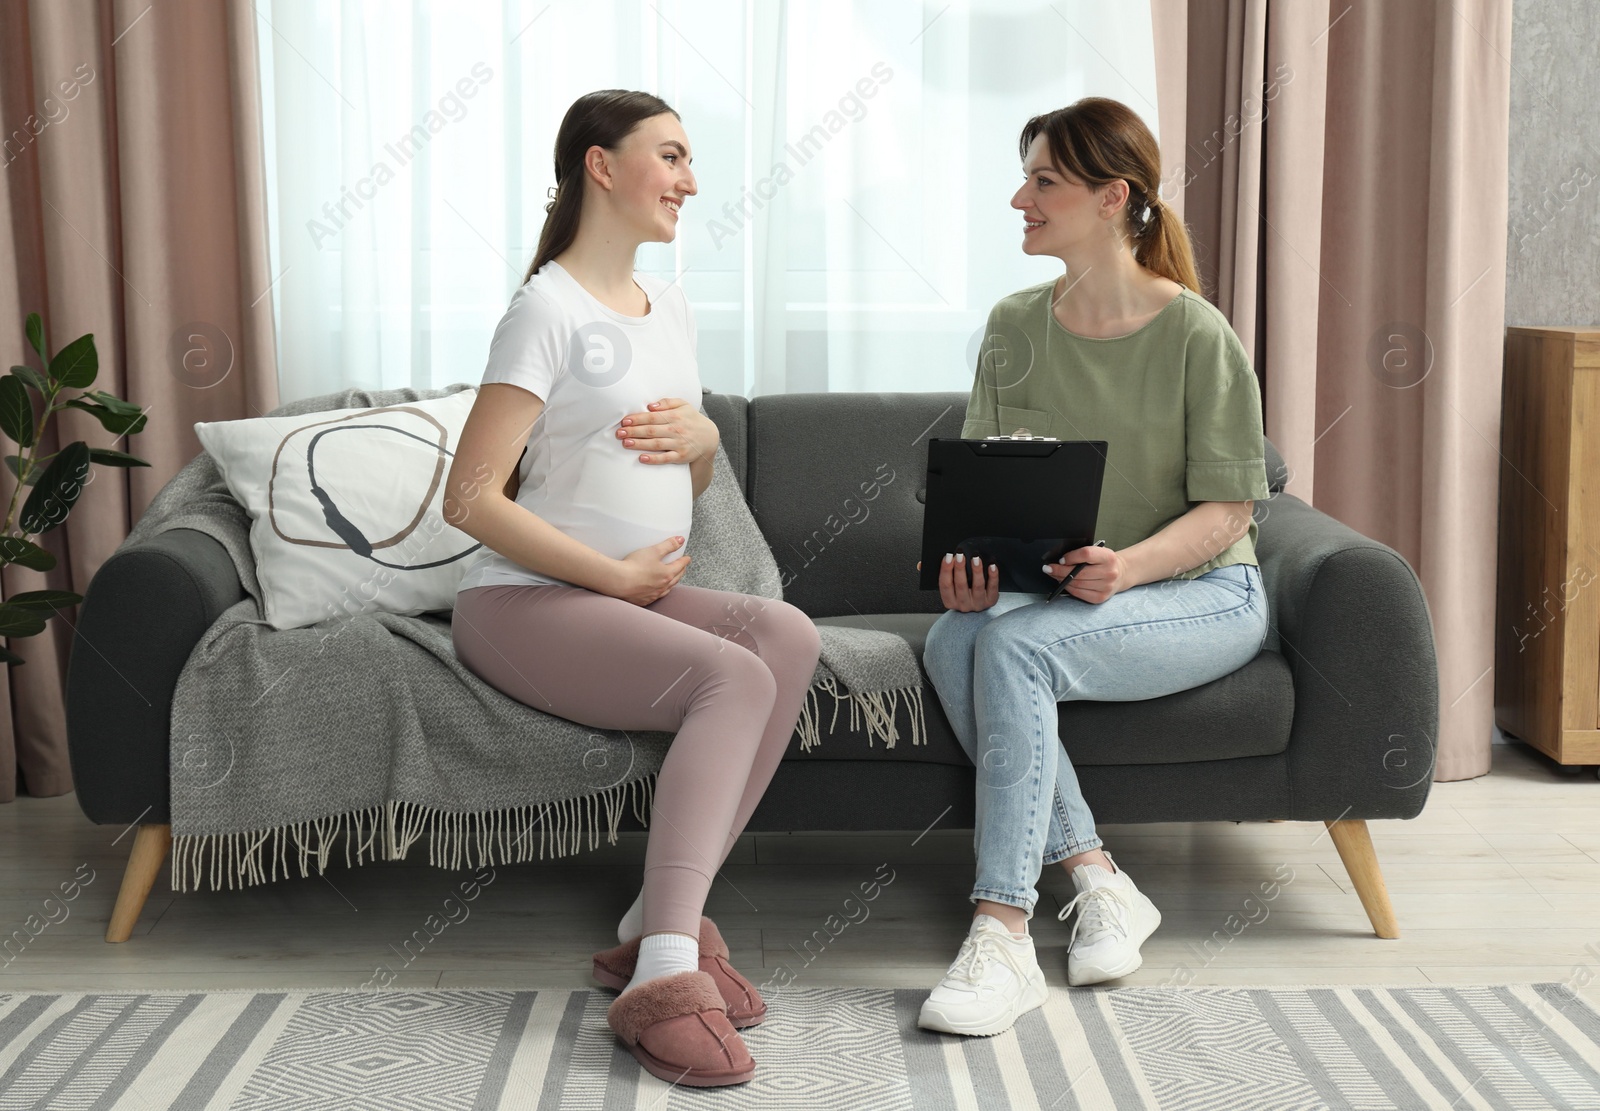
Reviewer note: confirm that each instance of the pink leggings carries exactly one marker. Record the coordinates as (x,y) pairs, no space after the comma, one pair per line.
(727,672)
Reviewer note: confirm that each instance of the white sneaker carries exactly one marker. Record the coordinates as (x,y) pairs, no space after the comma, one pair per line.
(1114,918)
(995,978)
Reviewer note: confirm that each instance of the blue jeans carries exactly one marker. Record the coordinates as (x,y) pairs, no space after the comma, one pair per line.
(1000,672)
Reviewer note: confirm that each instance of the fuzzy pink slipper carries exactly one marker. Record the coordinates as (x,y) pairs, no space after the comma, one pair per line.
(614,968)
(677,1028)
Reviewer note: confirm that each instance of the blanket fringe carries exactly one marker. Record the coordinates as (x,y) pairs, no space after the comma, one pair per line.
(456,840)
(875,708)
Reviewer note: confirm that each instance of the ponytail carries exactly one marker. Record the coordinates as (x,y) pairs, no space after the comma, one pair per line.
(1161,244)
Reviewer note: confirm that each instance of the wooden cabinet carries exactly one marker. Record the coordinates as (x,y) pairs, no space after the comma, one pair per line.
(1547,624)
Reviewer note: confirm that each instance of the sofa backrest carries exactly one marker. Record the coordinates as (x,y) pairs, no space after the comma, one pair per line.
(836,482)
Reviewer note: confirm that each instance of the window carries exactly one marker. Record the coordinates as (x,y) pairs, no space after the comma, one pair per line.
(855,163)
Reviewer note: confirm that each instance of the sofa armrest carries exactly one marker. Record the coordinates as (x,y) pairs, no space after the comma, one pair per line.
(1350,616)
(145,610)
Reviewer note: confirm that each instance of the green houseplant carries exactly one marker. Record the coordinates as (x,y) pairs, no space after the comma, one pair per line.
(57,479)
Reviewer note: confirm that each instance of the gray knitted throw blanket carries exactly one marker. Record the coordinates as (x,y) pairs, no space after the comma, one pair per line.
(368,730)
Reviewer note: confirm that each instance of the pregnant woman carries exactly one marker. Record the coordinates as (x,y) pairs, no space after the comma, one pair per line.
(579,611)
(1121,348)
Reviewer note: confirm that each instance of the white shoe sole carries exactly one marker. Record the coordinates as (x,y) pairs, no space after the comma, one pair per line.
(1080,974)
(933,1018)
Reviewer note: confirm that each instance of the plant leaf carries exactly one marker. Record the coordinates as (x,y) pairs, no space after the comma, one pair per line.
(33,378)
(121,424)
(112,401)
(14,549)
(11,658)
(113,458)
(16,411)
(44,600)
(14,465)
(19,621)
(36,334)
(57,490)
(77,363)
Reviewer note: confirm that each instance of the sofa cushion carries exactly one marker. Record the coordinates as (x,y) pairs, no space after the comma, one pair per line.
(833,481)
(1246,713)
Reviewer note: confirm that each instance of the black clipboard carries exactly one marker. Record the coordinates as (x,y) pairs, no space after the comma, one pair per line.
(1014,503)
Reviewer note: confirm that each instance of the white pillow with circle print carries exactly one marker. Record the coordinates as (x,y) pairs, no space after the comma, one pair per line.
(346,507)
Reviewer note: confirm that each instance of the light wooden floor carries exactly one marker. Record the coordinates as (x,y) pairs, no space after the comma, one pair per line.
(1497,881)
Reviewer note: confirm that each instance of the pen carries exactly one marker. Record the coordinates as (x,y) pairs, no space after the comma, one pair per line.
(1072,574)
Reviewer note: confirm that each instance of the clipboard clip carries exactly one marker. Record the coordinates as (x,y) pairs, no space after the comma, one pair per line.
(1020,434)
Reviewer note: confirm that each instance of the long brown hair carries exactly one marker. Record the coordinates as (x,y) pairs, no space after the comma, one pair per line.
(1100,140)
(598,119)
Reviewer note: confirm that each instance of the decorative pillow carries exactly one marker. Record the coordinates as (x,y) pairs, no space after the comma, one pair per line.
(346,507)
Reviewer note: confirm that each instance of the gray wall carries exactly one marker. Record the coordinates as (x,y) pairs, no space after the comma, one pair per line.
(1553,221)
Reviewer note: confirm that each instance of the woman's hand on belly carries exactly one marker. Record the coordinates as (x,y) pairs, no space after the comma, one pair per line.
(671,431)
(642,578)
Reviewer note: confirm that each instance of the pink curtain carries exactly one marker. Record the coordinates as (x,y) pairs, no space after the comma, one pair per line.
(1343,170)
(132,206)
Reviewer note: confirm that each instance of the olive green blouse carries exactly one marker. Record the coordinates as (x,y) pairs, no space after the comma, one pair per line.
(1176,401)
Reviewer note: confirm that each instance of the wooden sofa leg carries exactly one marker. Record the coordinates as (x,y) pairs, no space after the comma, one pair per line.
(1354,843)
(150,847)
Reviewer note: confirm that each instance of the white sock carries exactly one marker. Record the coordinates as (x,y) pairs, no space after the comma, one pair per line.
(632,924)
(664,955)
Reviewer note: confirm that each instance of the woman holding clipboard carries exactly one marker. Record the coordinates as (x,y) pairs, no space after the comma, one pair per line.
(1122,348)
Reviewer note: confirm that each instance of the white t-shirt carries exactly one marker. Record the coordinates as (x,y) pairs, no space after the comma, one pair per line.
(593,366)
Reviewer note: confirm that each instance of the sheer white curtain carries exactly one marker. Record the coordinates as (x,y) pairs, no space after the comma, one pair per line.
(854,160)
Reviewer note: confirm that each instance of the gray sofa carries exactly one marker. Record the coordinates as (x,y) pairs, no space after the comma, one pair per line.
(1334,721)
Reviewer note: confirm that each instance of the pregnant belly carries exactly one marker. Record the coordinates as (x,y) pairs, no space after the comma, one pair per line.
(620,505)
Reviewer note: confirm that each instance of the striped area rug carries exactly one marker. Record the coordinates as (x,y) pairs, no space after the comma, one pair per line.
(1231,1049)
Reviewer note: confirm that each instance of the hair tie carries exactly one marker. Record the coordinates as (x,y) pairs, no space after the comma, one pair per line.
(1147,219)
(551,192)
